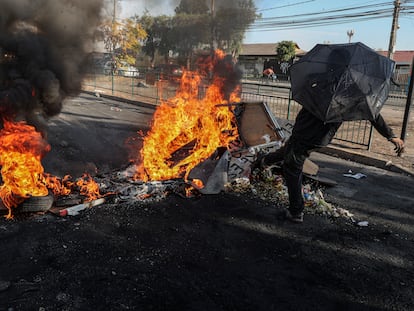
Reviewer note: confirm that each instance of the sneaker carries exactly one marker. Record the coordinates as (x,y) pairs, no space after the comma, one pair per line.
(296,218)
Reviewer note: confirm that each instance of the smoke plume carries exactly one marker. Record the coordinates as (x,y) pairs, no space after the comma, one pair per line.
(43,46)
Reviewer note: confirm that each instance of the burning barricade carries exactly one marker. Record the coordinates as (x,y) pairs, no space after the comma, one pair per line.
(204,140)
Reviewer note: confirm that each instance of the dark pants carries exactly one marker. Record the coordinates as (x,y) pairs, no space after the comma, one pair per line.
(294,158)
(293,154)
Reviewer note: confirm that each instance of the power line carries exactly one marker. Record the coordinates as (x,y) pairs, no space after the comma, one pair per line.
(284,6)
(329,11)
(315,19)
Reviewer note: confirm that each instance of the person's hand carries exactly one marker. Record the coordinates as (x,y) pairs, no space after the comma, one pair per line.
(399,144)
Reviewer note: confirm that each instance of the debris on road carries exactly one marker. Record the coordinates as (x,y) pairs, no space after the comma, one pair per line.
(355,176)
(74,210)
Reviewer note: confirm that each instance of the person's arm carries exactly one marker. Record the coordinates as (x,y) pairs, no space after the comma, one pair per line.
(382,127)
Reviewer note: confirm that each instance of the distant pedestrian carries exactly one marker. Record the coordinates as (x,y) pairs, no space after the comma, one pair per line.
(269,74)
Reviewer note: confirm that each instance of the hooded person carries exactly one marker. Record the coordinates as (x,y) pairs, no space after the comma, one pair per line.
(310,133)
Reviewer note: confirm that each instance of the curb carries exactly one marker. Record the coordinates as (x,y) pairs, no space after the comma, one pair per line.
(120,99)
(366,160)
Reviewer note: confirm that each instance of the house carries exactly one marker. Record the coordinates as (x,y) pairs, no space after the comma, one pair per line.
(254,58)
(403,61)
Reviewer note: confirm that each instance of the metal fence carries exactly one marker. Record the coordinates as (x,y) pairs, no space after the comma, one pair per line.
(276,94)
(279,98)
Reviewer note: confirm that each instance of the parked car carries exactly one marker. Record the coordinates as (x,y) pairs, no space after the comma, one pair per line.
(124,69)
(168,71)
(127,70)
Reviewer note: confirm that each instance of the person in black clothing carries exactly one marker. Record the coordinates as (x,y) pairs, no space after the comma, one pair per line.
(309,133)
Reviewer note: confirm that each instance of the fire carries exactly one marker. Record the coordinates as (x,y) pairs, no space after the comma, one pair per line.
(189,127)
(88,187)
(21,151)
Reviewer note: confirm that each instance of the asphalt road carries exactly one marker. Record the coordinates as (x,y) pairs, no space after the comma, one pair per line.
(228,251)
(380,195)
(90,136)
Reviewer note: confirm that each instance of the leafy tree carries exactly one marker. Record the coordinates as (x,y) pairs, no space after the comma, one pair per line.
(222,25)
(190,31)
(195,25)
(231,22)
(192,7)
(285,51)
(112,36)
(132,35)
(123,39)
(159,36)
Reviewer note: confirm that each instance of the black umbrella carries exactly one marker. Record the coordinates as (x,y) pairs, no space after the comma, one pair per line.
(342,82)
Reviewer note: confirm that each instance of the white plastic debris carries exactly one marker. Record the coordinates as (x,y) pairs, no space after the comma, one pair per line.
(355,176)
(362,224)
(74,210)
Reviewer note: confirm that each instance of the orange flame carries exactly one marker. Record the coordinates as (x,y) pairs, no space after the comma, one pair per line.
(21,151)
(189,127)
(88,187)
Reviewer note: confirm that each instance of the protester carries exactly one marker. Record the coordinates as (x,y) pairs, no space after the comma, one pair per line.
(269,73)
(310,133)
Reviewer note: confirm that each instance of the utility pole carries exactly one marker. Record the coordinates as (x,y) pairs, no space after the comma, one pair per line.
(394,28)
(113,47)
(213,26)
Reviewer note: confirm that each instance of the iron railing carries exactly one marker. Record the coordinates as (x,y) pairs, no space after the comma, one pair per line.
(276,94)
(279,98)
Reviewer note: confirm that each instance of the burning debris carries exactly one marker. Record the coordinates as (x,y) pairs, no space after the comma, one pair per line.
(43,45)
(193,120)
(202,141)
(23,176)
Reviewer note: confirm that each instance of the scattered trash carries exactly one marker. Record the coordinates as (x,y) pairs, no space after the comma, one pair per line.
(389,163)
(145,190)
(355,176)
(142,84)
(240,185)
(116,109)
(74,210)
(98,93)
(362,224)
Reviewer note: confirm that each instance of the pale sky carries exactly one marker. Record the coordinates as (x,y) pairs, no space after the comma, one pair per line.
(374,32)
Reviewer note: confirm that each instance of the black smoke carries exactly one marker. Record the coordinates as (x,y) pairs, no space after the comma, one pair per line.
(43,47)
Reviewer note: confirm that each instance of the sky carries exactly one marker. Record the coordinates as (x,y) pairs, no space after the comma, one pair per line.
(374,32)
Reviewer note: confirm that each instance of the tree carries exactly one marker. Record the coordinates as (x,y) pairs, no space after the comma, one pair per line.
(195,25)
(190,31)
(285,51)
(221,25)
(192,7)
(159,36)
(231,22)
(123,40)
(132,35)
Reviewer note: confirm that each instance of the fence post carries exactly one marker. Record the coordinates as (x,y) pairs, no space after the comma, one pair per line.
(289,101)
(408,103)
(112,81)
